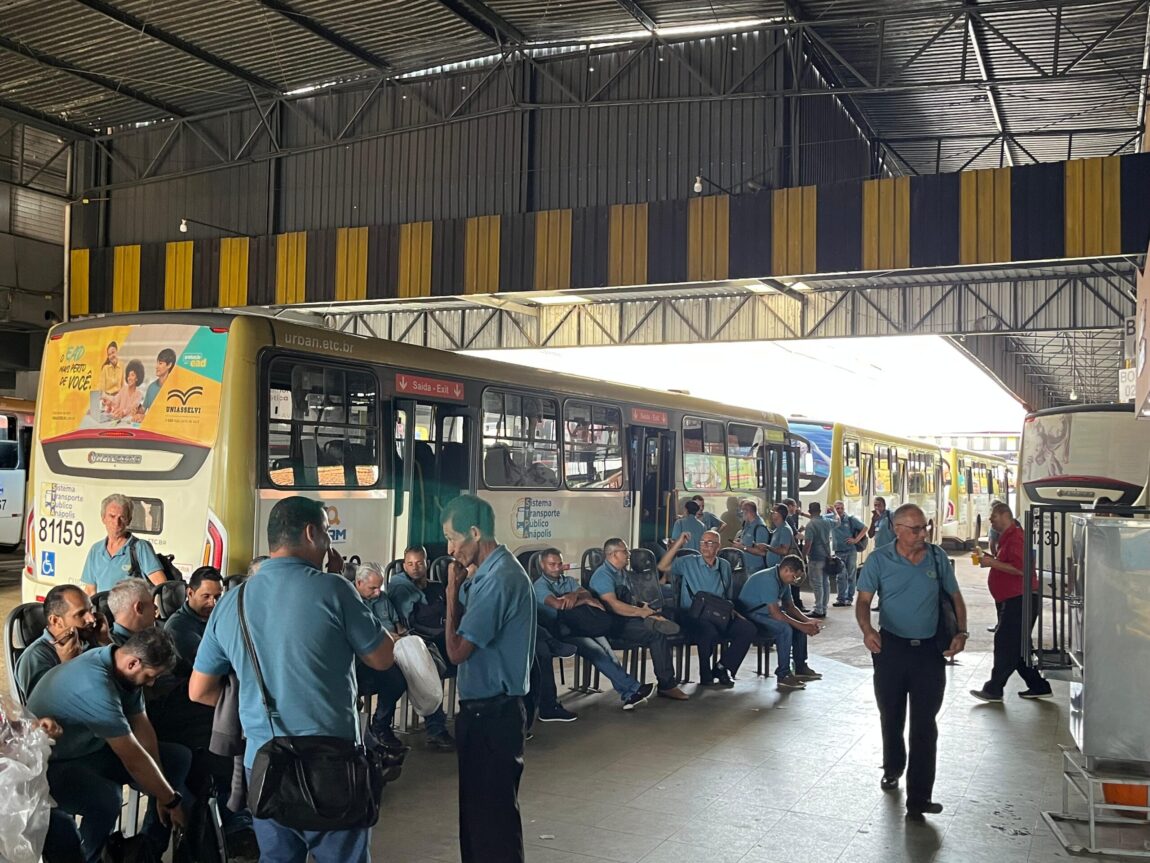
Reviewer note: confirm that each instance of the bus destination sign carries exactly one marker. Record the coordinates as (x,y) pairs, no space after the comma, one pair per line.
(648,417)
(437,388)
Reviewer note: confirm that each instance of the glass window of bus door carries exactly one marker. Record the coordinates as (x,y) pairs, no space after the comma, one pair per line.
(704,455)
(593,446)
(745,463)
(520,440)
(852,478)
(898,473)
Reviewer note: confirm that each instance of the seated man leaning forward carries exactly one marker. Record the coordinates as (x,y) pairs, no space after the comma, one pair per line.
(706,572)
(133,609)
(766,599)
(638,624)
(574,615)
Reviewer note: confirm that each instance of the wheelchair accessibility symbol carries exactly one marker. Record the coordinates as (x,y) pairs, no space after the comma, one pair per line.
(48,564)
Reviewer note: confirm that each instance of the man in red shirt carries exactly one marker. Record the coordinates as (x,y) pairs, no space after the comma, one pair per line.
(1006,586)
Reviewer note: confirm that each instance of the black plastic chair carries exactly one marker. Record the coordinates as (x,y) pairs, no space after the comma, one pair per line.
(169,596)
(100,605)
(234,580)
(643,560)
(534,565)
(438,571)
(391,569)
(591,560)
(24,624)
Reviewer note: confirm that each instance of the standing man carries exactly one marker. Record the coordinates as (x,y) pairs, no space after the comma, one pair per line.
(491,637)
(782,541)
(848,532)
(307,626)
(817,546)
(709,573)
(753,538)
(119,555)
(881,525)
(709,519)
(689,525)
(766,600)
(908,575)
(188,624)
(1006,586)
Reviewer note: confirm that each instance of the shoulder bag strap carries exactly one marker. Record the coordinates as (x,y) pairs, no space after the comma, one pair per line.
(134,568)
(250,647)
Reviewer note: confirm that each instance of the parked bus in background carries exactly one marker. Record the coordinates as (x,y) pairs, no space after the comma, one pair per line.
(854,465)
(971,482)
(15,449)
(210,419)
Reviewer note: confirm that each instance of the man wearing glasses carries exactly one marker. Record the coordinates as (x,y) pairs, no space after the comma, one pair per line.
(908,574)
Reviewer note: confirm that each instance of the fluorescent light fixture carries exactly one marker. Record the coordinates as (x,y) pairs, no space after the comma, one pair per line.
(183,226)
(701,29)
(759,288)
(310,88)
(559,300)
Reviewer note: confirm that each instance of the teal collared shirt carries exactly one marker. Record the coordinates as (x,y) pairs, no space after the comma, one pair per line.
(384,610)
(88,700)
(106,570)
(38,659)
(187,631)
(307,627)
(500,620)
(690,525)
(545,587)
(403,593)
(752,534)
(844,529)
(607,579)
(782,535)
(884,533)
(696,577)
(763,588)
(120,634)
(710,520)
(909,591)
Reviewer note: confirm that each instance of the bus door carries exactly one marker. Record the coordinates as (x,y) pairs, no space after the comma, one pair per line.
(652,453)
(15,440)
(433,452)
(868,478)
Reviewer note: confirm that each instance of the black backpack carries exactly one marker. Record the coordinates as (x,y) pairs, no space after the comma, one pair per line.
(167,564)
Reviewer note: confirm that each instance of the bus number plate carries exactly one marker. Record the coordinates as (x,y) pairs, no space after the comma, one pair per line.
(61,530)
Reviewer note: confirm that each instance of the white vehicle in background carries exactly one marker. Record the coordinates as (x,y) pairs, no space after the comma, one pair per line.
(15,453)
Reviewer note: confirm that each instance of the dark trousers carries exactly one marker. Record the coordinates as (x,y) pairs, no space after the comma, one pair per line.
(905,672)
(636,630)
(735,639)
(542,695)
(796,596)
(1008,650)
(489,741)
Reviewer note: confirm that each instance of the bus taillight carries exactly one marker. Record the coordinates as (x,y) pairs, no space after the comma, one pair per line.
(30,545)
(214,543)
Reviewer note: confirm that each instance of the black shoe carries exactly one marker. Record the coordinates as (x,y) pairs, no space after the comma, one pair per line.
(558,713)
(563,650)
(818,615)
(931,808)
(806,674)
(441,742)
(641,694)
(839,603)
(1035,694)
(888,783)
(386,738)
(988,697)
(723,677)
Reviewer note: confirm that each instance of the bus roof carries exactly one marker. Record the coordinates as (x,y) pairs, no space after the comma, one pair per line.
(1126,407)
(867,433)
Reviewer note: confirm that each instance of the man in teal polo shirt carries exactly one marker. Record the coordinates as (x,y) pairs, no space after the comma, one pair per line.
(753,538)
(709,519)
(767,600)
(690,525)
(108,742)
(110,560)
(848,532)
(189,622)
(817,545)
(782,541)
(708,573)
(72,628)
(908,574)
(133,609)
(493,643)
(308,626)
(881,524)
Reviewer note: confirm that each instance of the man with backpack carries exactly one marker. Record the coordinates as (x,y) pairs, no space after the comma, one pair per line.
(881,526)
(817,546)
(120,555)
(850,538)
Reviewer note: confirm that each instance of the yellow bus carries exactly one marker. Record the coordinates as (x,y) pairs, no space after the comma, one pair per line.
(207,419)
(854,465)
(972,481)
(15,448)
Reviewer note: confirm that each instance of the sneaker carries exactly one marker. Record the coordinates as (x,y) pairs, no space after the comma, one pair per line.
(888,783)
(790,682)
(817,614)
(641,694)
(919,809)
(988,697)
(558,713)
(563,650)
(723,677)
(1035,694)
(529,735)
(386,738)
(840,603)
(992,628)
(674,693)
(441,742)
(806,674)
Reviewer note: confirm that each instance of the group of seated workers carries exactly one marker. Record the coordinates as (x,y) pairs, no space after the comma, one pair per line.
(115,700)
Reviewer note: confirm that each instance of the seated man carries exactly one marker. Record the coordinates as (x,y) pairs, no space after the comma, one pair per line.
(133,608)
(708,573)
(766,600)
(390,684)
(107,740)
(420,602)
(542,698)
(638,624)
(559,595)
(187,625)
(72,628)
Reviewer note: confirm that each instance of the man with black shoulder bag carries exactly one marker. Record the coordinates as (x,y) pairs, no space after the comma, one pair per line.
(705,595)
(292,636)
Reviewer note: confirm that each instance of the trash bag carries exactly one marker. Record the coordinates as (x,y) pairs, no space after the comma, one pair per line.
(24,750)
(424,688)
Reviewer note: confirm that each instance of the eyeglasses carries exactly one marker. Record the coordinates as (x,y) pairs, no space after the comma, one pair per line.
(709,542)
(913,528)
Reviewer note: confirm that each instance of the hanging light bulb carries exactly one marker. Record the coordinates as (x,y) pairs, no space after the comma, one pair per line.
(183,226)
(1073,394)
(698,184)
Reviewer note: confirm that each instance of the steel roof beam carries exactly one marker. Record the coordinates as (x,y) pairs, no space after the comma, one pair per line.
(638,13)
(41,120)
(486,20)
(173,41)
(991,93)
(317,28)
(47,60)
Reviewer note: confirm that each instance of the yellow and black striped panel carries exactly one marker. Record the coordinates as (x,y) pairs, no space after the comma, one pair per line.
(1037,212)
(153,263)
(126,279)
(178,275)
(794,240)
(839,227)
(448,250)
(590,246)
(382,262)
(78,280)
(934,228)
(262,270)
(1135,215)
(319,274)
(517,252)
(751,236)
(291,267)
(552,250)
(481,255)
(886,224)
(627,245)
(984,217)
(708,238)
(233,272)
(1094,207)
(414,277)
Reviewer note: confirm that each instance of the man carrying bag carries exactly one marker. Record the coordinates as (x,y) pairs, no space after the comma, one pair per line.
(291,637)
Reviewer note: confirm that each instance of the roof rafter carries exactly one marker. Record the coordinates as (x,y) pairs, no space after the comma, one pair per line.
(976,43)
(95,78)
(637,12)
(486,20)
(173,41)
(318,28)
(40,120)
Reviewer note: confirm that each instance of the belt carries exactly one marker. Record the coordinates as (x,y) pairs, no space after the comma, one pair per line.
(909,642)
(482,704)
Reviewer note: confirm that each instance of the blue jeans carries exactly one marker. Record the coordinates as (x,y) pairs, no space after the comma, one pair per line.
(390,686)
(92,787)
(820,583)
(279,844)
(790,643)
(846,578)
(598,652)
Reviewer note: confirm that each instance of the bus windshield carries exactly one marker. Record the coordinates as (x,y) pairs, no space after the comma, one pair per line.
(1103,444)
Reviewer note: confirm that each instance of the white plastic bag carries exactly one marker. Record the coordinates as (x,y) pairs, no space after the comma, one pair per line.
(24,750)
(424,688)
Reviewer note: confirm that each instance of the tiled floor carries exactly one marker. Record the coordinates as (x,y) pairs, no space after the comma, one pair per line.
(755,776)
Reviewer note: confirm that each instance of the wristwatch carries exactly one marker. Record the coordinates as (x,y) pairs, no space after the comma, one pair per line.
(174,802)
(963,633)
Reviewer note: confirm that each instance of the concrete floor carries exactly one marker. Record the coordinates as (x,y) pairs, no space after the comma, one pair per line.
(755,776)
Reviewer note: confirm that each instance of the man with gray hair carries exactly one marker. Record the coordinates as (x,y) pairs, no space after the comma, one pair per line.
(133,609)
(119,555)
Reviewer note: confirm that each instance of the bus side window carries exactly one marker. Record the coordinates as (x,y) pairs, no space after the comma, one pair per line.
(520,440)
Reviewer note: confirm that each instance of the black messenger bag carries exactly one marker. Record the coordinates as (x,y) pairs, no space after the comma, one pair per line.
(313,782)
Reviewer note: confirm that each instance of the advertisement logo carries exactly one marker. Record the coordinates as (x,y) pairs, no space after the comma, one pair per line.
(184,395)
(534,518)
(114,458)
